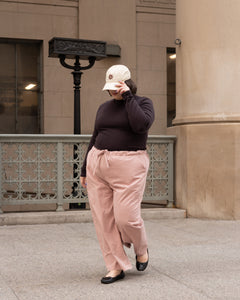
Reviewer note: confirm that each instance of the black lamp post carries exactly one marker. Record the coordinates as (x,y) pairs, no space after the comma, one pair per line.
(77,49)
(63,48)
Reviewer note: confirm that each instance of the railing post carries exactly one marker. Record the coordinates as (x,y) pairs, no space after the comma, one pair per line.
(60,176)
(1,174)
(170,173)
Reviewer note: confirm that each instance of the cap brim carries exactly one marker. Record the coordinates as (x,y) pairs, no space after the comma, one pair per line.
(110,86)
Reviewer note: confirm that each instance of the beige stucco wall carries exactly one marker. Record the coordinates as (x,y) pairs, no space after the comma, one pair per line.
(208,109)
(208,64)
(207,169)
(155,32)
(141,28)
(42,20)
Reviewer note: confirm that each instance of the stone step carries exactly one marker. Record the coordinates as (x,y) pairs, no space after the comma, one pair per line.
(80,216)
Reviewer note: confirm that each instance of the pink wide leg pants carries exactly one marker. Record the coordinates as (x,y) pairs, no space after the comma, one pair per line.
(115,183)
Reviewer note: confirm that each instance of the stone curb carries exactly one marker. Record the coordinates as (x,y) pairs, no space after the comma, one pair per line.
(83,216)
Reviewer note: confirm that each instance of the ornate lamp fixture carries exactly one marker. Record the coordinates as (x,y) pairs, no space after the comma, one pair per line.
(77,49)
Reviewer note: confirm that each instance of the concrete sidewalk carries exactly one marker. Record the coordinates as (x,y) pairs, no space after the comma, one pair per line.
(189,259)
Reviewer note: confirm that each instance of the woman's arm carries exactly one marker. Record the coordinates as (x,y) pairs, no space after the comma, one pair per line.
(83,182)
(140,115)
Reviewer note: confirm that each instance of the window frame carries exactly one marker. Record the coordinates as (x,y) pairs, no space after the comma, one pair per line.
(17,41)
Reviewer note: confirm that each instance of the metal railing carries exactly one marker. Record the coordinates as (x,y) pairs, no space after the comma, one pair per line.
(38,169)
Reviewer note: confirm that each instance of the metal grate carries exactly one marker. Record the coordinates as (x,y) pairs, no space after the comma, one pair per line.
(38,169)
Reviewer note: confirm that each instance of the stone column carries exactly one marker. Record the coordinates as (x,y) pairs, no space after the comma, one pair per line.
(207,120)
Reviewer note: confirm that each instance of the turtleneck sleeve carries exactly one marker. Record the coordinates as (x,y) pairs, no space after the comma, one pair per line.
(140,114)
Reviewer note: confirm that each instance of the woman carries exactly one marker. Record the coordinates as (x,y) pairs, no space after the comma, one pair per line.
(115,170)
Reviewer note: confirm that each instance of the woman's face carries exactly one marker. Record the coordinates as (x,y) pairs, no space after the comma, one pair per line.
(115,94)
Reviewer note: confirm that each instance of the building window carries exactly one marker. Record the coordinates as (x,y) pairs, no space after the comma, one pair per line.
(20,86)
(171,85)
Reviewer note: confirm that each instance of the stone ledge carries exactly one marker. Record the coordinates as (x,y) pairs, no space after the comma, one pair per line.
(82,216)
(163,213)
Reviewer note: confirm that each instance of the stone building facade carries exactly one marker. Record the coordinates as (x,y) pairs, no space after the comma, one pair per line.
(207,106)
(143,29)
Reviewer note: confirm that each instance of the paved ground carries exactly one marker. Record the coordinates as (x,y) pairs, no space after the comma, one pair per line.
(189,259)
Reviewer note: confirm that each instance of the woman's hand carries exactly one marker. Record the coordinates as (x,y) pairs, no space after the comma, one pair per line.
(122,87)
(83,182)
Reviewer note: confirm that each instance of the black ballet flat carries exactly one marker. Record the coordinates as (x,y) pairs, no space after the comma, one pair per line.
(107,280)
(142,266)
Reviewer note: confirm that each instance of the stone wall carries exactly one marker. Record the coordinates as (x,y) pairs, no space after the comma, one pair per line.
(143,30)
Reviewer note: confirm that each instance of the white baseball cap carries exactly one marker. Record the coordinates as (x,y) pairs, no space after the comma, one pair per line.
(115,74)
